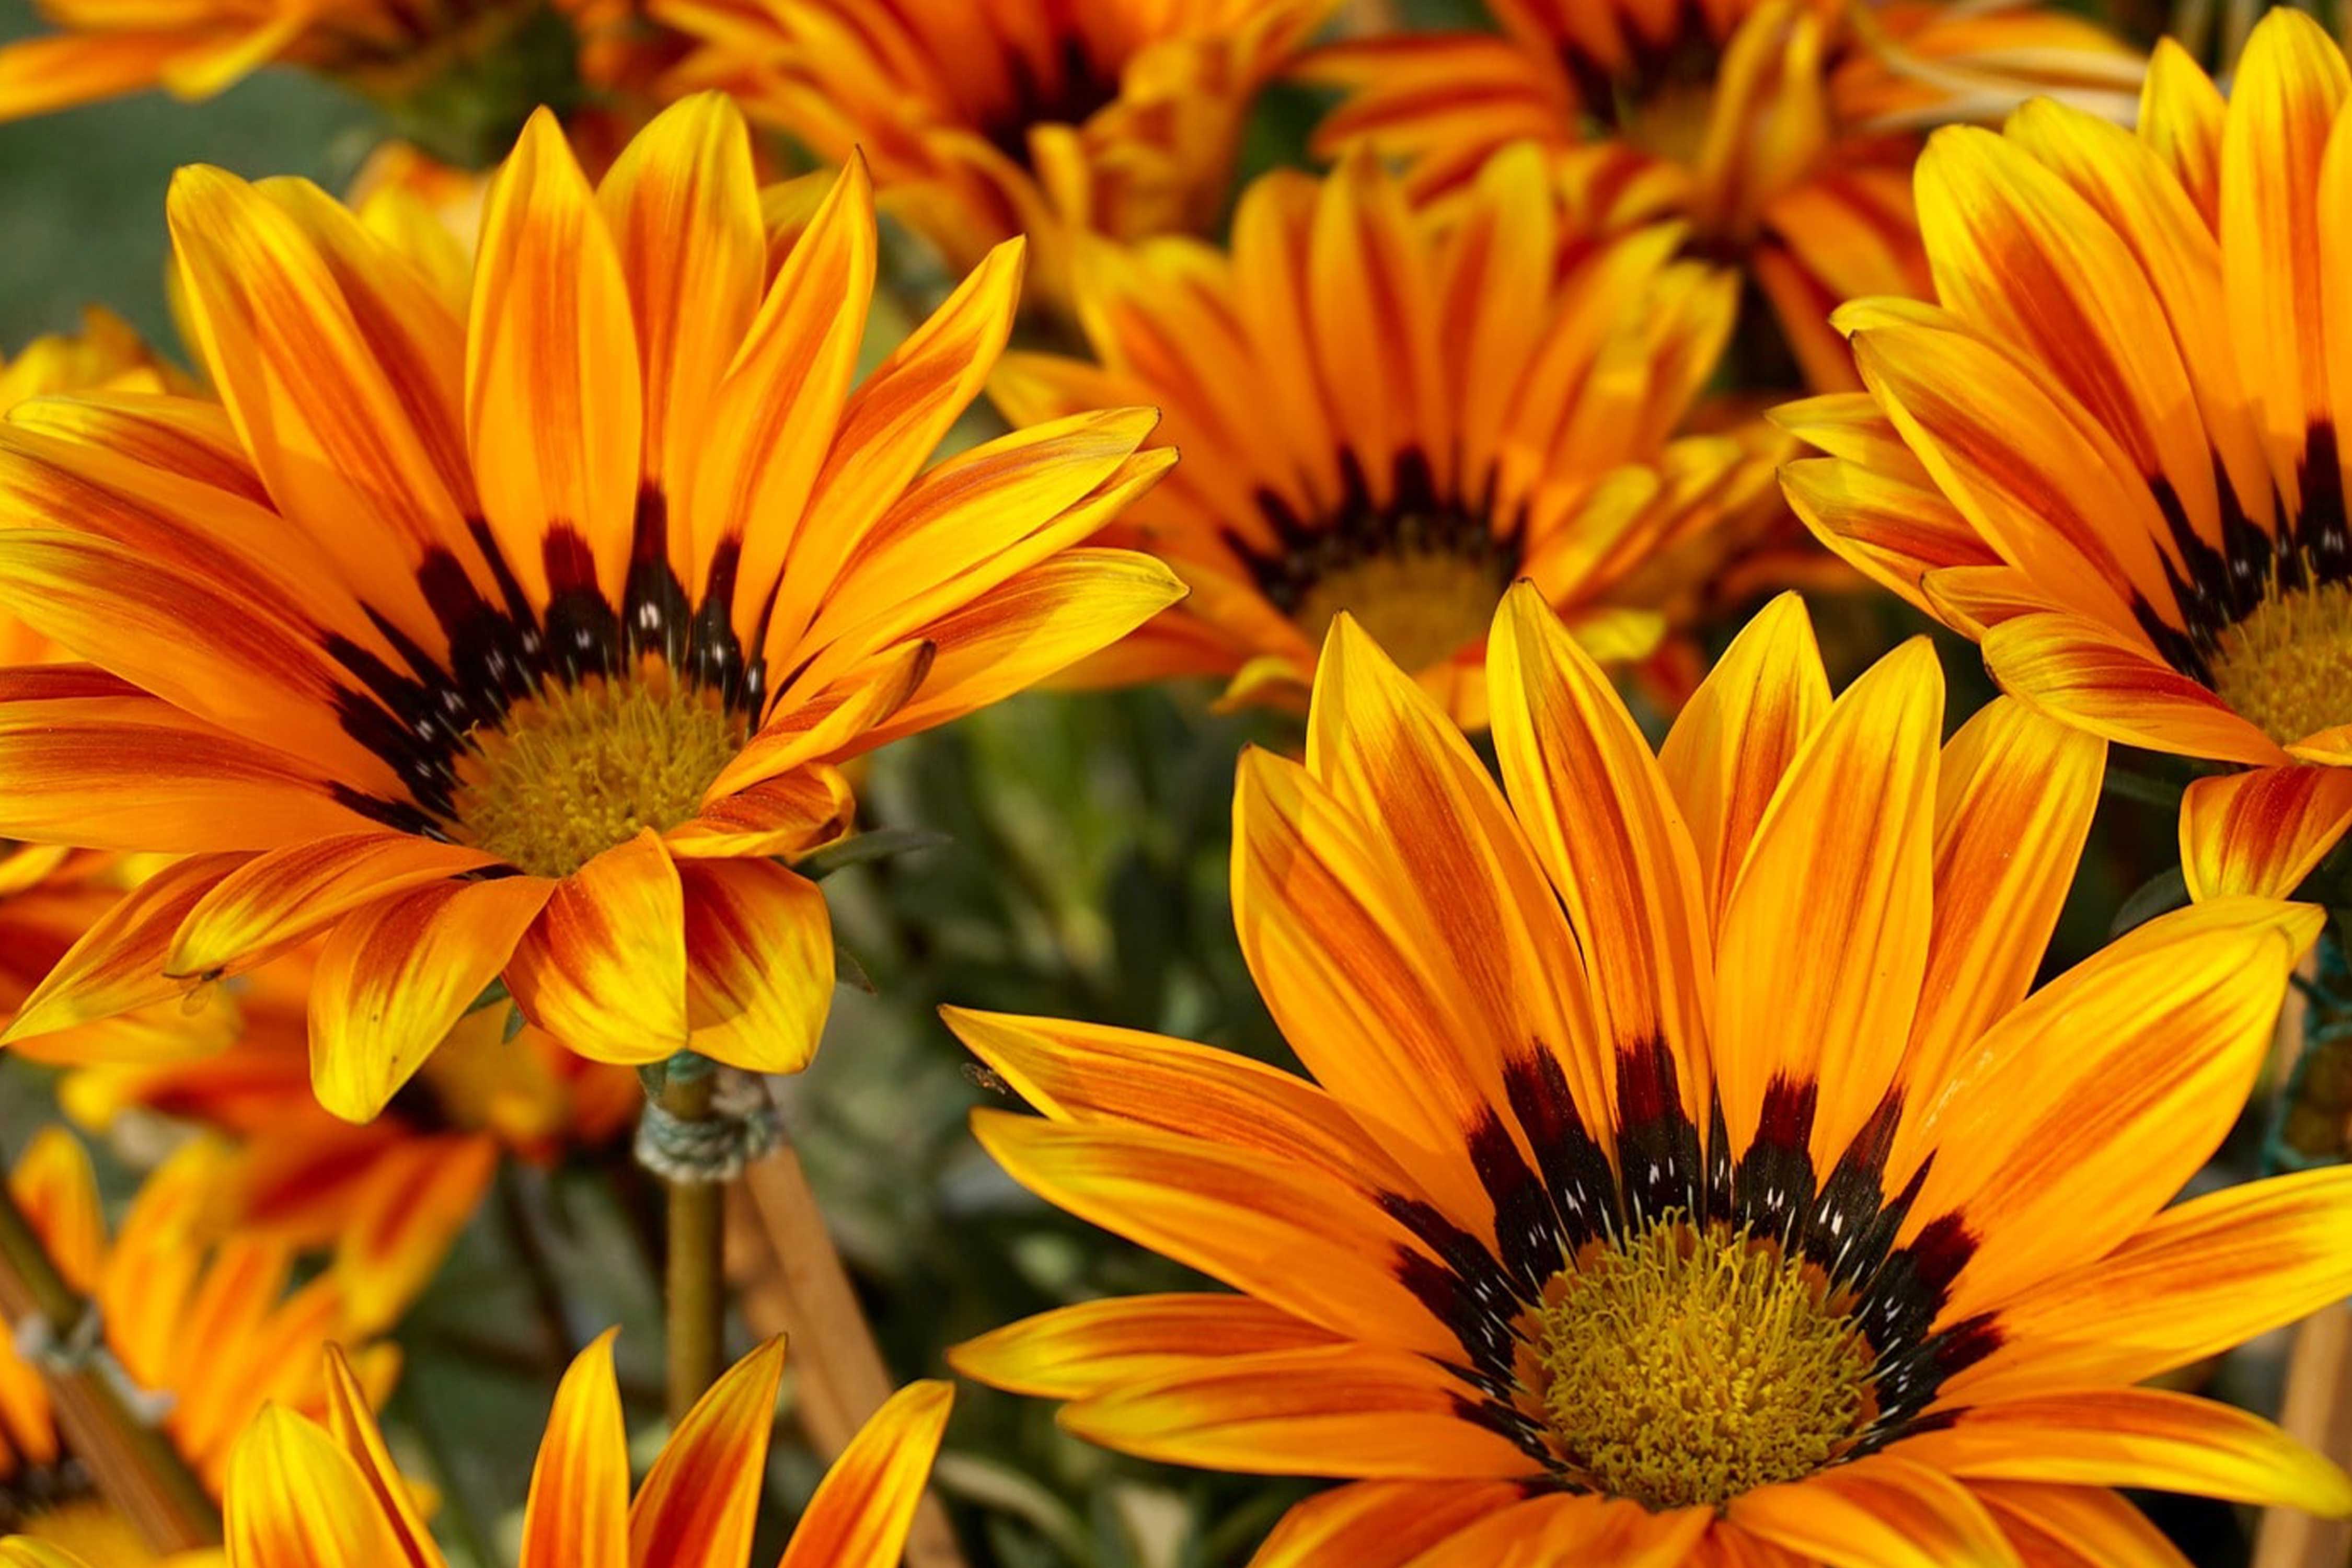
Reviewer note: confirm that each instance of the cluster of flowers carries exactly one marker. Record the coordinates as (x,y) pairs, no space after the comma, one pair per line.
(1691,1170)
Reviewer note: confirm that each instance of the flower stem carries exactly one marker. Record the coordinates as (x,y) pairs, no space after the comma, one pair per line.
(134,1466)
(695,1288)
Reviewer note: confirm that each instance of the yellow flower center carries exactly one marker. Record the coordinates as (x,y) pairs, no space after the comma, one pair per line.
(571,772)
(1683,1367)
(2287,668)
(1421,605)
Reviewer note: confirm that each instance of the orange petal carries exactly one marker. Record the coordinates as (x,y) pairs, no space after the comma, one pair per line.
(603,967)
(2261,832)
(579,1510)
(1826,937)
(296,1500)
(701,1498)
(279,898)
(353,1423)
(2098,679)
(116,966)
(553,400)
(1094,1346)
(2137,1437)
(862,1509)
(791,816)
(759,963)
(1348,1411)
(1880,1512)
(1736,737)
(1378,1524)
(394,978)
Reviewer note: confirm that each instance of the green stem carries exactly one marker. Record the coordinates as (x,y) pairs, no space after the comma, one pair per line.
(695,1292)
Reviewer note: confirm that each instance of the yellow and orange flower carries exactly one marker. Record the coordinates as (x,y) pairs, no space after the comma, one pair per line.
(985,119)
(2110,451)
(1385,417)
(1783,130)
(385,1199)
(301,1496)
(209,1325)
(521,646)
(1691,1174)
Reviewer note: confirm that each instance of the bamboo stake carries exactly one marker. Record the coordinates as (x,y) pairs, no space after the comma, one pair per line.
(790,1281)
(135,1468)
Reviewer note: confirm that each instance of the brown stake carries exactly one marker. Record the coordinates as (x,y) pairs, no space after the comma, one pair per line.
(133,1465)
(696,1290)
(793,1283)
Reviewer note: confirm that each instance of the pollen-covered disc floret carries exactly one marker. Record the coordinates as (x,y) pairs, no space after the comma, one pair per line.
(1683,1365)
(2287,666)
(1423,604)
(584,766)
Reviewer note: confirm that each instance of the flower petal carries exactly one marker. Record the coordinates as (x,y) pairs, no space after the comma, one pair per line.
(1094,1346)
(1348,1411)
(2137,1437)
(554,399)
(701,1498)
(1378,1524)
(579,1511)
(603,968)
(1879,1513)
(296,1500)
(759,963)
(279,898)
(393,979)
(866,1504)
(2261,832)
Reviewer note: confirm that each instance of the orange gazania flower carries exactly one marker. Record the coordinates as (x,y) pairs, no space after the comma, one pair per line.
(1783,130)
(2110,452)
(207,1325)
(301,1496)
(985,119)
(1385,416)
(523,644)
(1689,1176)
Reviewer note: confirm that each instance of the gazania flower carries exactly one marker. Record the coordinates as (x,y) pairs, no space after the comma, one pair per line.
(385,1199)
(1689,1175)
(1394,420)
(301,1496)
(985,119)
(522,644)
(2109,452)
(210,1329)
(1783,130)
